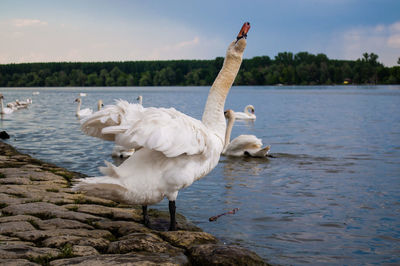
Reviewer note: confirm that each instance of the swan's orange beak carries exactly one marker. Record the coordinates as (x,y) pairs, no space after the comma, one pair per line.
(243,31)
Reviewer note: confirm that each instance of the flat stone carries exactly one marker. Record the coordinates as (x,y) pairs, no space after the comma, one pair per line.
(60,241)
(11,227)
(185,239)
(110,212)
(85,199)
(62,224)
(17,262)
(10,199)
(122,227)
(27,173)
(219,254)
(132,259)
(15,181)
(16,190)
(18,218)
(36,235)
(26,252)
(48,211)
(159,220)
(84,251)
(141,242)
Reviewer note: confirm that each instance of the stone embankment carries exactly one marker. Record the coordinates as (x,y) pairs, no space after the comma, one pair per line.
(43,222)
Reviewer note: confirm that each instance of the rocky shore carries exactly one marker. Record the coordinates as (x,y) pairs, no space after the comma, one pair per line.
(43,222)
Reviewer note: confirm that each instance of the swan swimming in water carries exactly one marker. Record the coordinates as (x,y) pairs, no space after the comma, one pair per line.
(248,113)
(140,99)
(87,111)
(175,149)
(243,145)
(4,110)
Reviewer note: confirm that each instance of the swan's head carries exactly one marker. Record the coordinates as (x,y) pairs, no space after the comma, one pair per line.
(250,108)
(139,98)
(229,114)
(78,100)
(236,48)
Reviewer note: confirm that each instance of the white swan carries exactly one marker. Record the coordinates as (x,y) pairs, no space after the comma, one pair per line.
(83,94)
(140,99)
(84,112)
(4,110)
(243,145)
(99,105)
(23,104)
(175,149)
(247,114)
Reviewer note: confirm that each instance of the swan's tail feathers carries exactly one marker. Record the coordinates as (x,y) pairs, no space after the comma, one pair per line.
(109,170)
(263,152)
(90,187)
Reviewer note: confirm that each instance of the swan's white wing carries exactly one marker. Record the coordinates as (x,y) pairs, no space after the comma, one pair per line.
(168,131)
(121,116)
(243,143)
(132,126)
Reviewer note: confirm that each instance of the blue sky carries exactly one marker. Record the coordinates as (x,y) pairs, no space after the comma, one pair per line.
(121,30)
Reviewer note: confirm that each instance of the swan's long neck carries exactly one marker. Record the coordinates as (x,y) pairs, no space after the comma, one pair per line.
(1,103)
(78,108)
(213,116)
(231,121)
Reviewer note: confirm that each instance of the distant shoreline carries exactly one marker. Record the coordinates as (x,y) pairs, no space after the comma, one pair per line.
(286,68)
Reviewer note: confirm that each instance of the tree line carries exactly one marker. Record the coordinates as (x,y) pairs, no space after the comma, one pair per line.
(286,68)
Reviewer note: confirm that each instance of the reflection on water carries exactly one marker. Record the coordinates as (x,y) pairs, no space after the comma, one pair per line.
(330,193)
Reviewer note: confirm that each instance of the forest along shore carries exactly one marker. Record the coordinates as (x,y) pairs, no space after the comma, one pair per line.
(43,222)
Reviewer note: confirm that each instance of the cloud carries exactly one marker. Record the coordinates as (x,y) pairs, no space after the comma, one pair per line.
(394,41)
(28,22)
(166,51)
(383,40)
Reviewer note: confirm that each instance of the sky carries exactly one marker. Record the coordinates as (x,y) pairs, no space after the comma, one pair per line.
(130,30)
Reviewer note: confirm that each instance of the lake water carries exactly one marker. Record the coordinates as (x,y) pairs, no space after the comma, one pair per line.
(331,195)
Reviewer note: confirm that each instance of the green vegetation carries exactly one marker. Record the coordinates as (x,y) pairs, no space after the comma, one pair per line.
(286,68)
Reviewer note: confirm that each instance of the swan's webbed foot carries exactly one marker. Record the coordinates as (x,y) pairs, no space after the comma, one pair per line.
(146,220)
(172,209)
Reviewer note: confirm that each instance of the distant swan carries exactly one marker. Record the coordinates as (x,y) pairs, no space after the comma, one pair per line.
(243,145)
(247,114)
(140,99)
(4,110)
(176,149)
(84,112)
(83,94)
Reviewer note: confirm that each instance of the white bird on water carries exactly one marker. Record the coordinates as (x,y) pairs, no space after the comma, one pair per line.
(175,149)
(82,112)
(140,99)
(248,113)
(87,111)
(243,145)
(4,110)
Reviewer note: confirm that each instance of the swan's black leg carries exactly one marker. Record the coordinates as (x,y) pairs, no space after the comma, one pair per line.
(146,221)
(172,208)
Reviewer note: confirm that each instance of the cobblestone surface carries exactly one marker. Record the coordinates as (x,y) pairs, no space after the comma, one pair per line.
(43,222)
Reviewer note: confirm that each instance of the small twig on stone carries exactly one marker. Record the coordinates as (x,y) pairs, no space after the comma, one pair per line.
(214,218)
